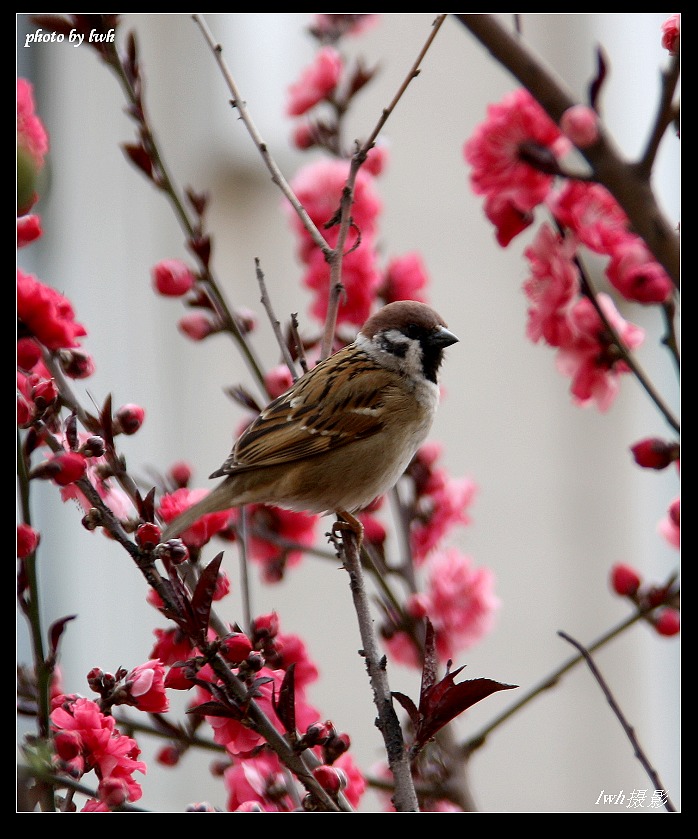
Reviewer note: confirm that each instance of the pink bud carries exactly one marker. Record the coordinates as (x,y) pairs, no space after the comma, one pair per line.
(180,473)
(668,622)
(148,535)
(172,277)
(196,326)
(671,34)
(653,453)
(71,466)
(581,125)
(625,580)
(236,647)
(330,778)
(128,419)
(27,540)
(168,756)
(278,380)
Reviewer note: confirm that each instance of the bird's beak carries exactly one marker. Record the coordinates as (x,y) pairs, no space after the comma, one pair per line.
(442,337)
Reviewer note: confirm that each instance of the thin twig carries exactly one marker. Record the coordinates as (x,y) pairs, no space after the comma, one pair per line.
(239,103)
(302,360)
(478,740)
(275,324)
(629,730)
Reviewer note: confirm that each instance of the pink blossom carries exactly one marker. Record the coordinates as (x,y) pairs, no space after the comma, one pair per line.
(405,277)
(670,525)
(239,738)
(440,509)
(27,540)
(356,783)
(377,159)
(507,218)
(98,745)
(318,187)
(580,124)
(171,646)
(31,134)
(636,274)
(316,82)
(552,286)
(28,229)
(671,34)
(45,314)
(589,358)
(591,212)
(146,688)
(287,649)
(205,527)
(29,354)
(361,280)
(109,490)
(257,779)
(495,151)
(460,602)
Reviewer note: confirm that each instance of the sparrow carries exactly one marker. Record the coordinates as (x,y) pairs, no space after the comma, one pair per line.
(345,431)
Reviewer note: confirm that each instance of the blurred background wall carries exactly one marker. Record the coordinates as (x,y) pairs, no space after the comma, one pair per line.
(559,500)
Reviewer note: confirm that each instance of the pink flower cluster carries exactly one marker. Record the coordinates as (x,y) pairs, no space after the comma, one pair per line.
(254,777)
(458,598)
(515,160)
(85,740)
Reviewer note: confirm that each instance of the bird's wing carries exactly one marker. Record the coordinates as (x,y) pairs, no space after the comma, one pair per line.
(343,398)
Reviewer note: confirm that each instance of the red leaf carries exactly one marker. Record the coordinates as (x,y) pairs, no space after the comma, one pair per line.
(203,595)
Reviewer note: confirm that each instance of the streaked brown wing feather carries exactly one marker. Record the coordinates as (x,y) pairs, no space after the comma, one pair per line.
(327,408)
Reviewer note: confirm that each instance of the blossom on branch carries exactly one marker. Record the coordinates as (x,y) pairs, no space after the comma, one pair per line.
(87,740)
(590,358)
(45,314)
(317,82)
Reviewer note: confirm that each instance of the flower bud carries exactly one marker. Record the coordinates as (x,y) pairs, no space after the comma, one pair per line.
(653,453)
(180,473)
(76,364)
(625,580)
(148,536)
(93,447)
(172,277)
(580,124)
(128,419)
(236,647)
(174,549)
(265,626)
(330,778)
(197,326)
(668,622)
(168,756)
(63,469)
(27,540)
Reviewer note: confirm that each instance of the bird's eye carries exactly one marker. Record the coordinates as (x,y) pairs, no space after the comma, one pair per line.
(412,330)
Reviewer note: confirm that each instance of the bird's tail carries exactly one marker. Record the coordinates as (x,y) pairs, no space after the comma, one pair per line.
(218,499)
